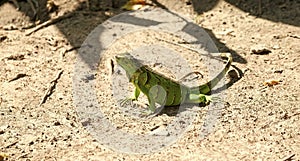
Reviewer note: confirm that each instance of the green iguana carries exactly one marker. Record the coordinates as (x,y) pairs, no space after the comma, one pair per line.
(165,91)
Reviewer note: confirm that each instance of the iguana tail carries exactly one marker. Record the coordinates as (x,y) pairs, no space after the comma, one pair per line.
(206,88)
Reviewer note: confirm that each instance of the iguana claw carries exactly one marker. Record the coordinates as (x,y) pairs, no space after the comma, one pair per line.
(124,101)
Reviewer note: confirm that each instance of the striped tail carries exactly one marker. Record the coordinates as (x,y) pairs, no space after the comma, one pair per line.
(206,88)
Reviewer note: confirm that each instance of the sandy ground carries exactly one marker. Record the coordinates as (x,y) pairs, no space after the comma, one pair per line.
(259,122)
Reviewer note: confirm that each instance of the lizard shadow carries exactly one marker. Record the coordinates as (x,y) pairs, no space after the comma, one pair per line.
(224,48)
(235,76)
(173,110)
(177,110)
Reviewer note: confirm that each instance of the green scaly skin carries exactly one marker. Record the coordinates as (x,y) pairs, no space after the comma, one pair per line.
(162,90)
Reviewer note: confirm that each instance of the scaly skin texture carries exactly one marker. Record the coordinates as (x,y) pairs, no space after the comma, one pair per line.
(162,90)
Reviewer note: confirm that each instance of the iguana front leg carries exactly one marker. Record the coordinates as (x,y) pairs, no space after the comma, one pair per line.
(151,100)
(134,97)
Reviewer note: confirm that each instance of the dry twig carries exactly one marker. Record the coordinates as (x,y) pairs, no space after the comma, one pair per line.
(49,22)
(51,87)
(288,158)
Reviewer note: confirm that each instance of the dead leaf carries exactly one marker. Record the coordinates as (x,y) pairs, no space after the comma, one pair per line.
(271,82)
(134,4)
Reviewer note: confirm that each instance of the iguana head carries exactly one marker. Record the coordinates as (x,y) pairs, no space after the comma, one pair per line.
(128,63)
